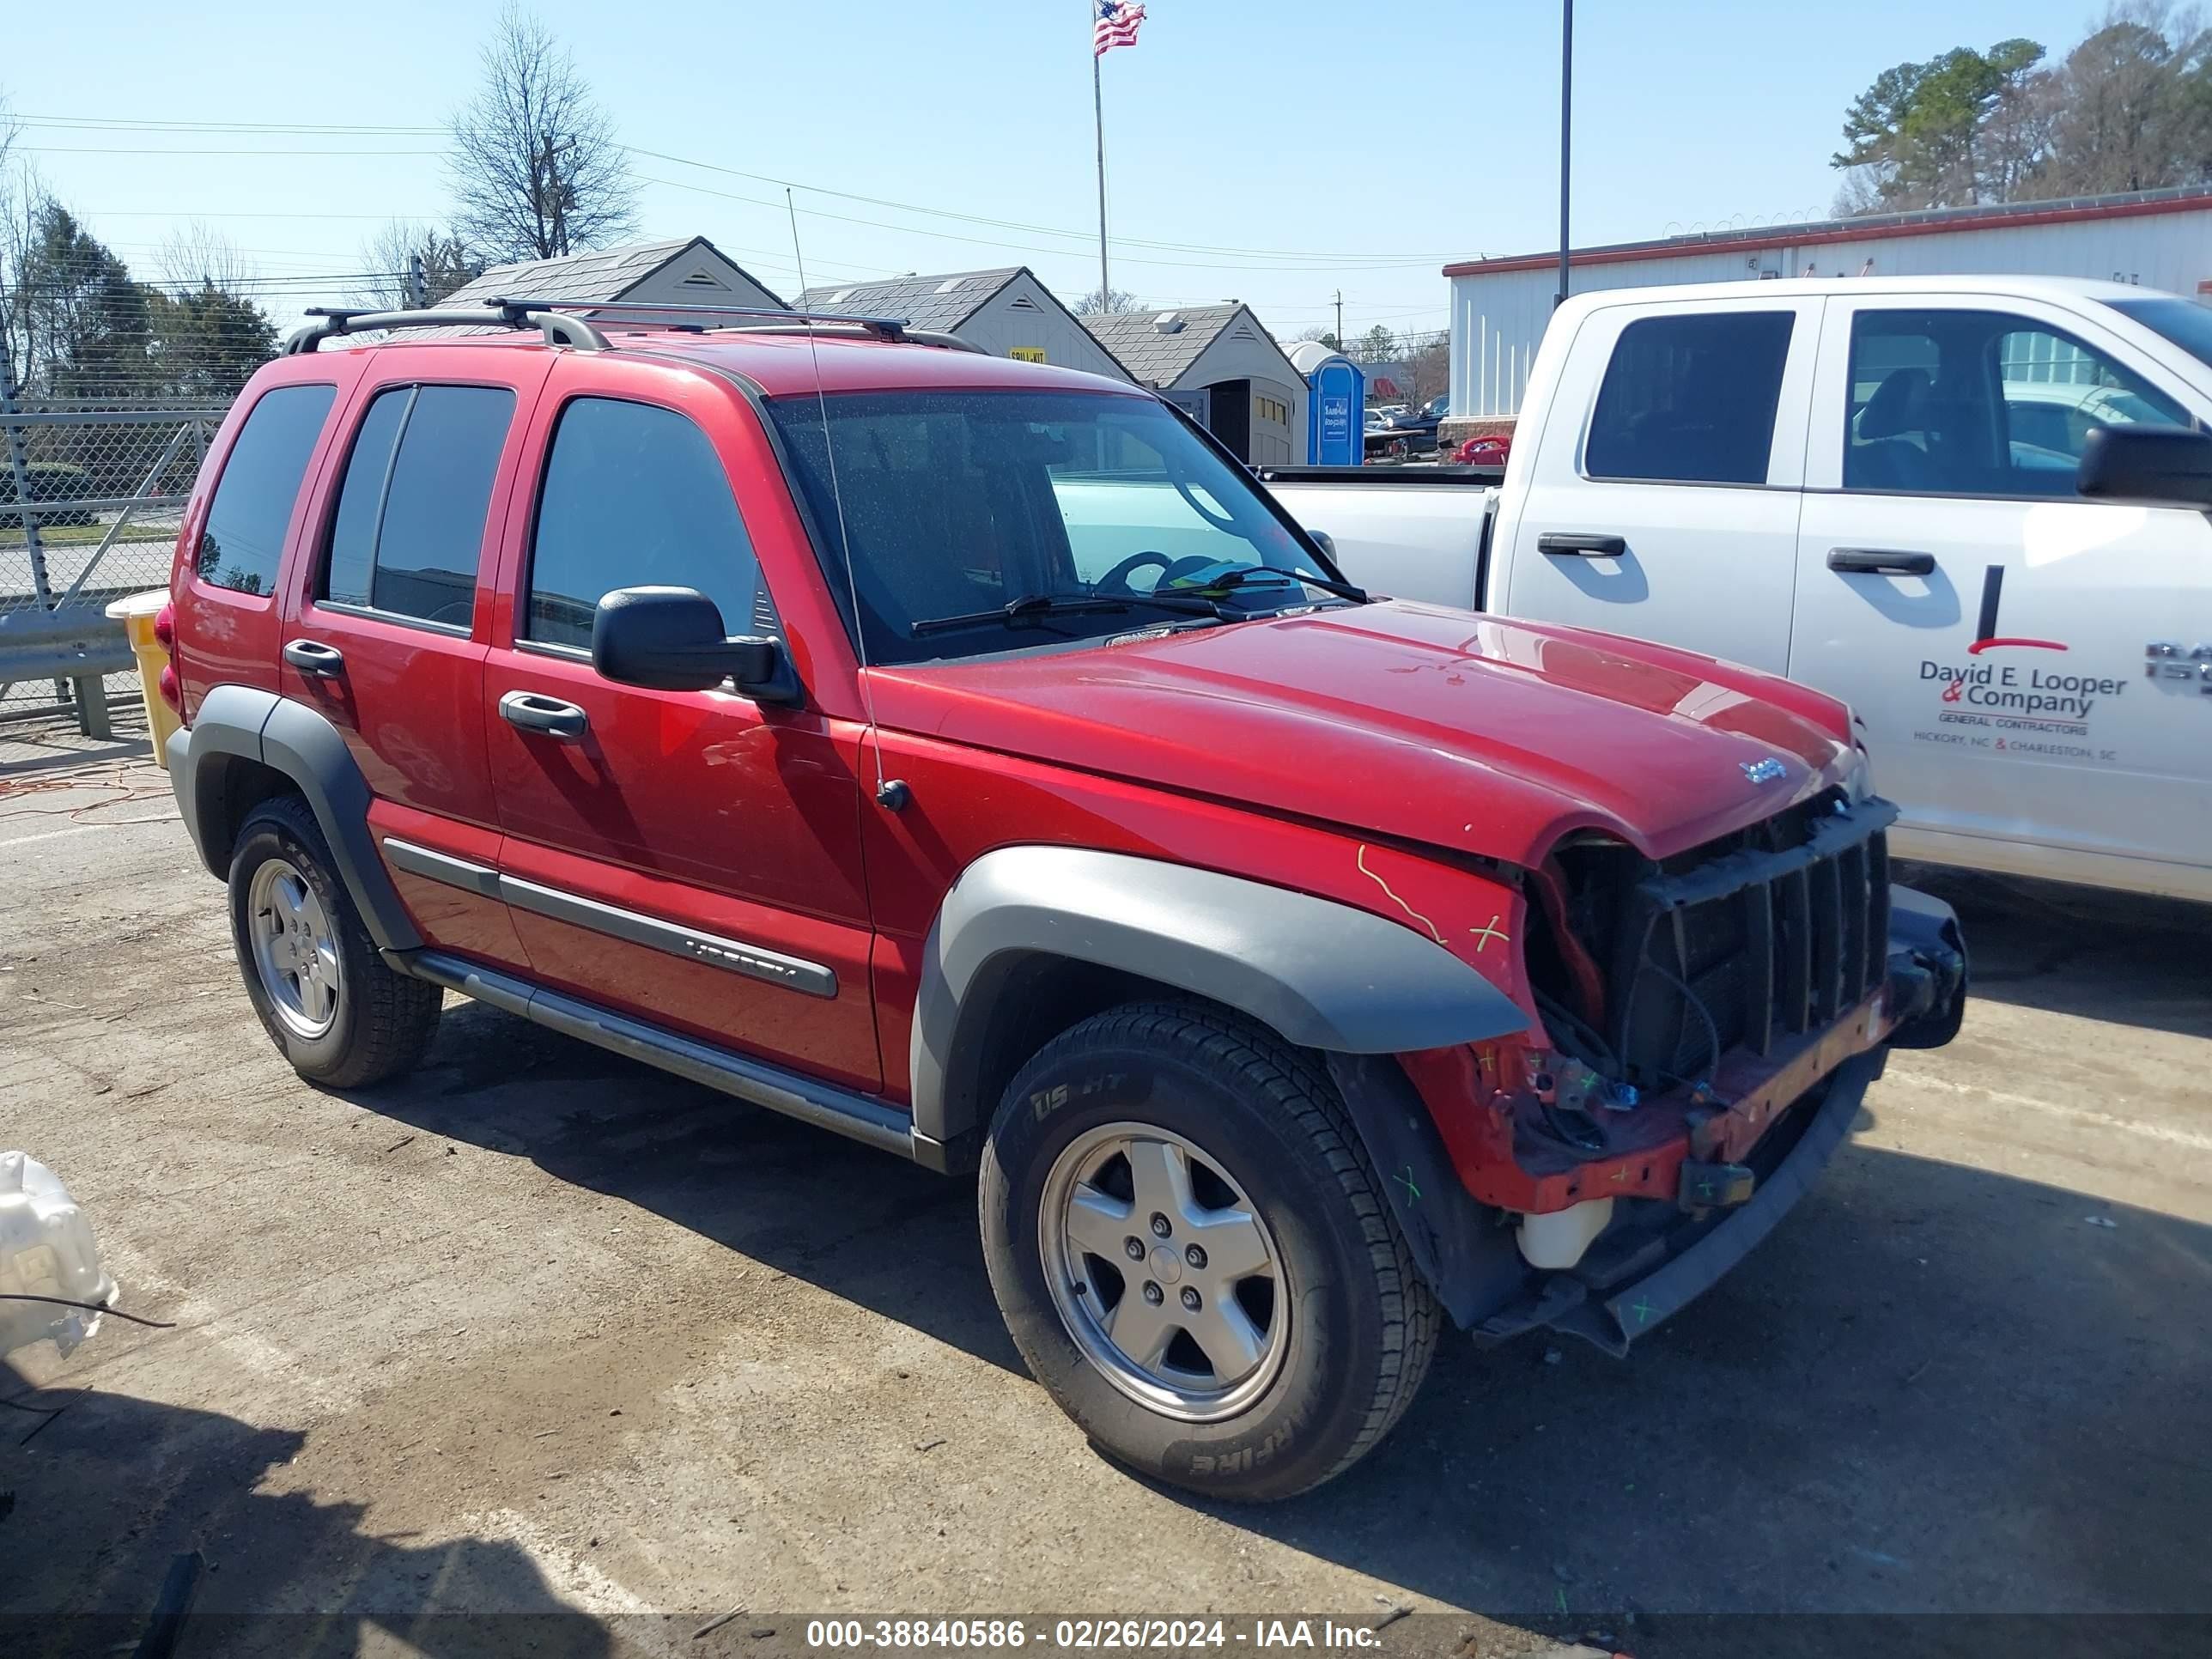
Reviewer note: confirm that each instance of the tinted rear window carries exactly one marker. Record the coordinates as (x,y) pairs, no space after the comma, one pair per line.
(409,531)
(243,540)
(1691,399)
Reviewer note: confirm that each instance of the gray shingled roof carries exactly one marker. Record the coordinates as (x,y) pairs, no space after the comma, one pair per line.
(1155,356)
(603,274)
(942,302)
(606,274)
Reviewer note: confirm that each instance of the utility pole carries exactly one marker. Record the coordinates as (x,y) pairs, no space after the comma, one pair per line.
(1566,132)
(1340,320)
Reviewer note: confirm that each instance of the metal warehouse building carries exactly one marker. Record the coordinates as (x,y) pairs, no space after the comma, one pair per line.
(1499,307)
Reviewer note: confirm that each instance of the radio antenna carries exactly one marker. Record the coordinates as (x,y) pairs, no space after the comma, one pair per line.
(891,793)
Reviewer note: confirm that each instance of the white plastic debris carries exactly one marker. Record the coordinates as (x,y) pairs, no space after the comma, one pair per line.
(45,1250)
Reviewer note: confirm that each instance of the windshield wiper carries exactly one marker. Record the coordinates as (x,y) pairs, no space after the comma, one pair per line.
(1254,574)
(1030,607)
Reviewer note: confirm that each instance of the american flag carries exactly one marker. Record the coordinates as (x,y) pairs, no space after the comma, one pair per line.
(1116,26)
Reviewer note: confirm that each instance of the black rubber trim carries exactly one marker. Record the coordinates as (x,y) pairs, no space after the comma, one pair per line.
(858,1116)
(243,722)
(752,961)
(478,879)
(1320,974)
(1469,1261)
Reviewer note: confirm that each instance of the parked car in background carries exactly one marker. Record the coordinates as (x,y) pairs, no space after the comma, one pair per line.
(1973,508)
(1424,420)
(966,756)
(1488,449)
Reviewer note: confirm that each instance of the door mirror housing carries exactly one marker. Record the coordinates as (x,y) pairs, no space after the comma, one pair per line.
(671,638)
(2157,465)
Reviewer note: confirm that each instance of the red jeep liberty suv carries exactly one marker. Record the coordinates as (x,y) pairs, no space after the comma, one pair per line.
(968,756)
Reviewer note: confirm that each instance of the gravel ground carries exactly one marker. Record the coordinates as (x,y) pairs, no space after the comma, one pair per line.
(539,1332)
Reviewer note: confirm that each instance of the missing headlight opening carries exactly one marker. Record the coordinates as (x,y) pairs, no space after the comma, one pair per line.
(1650,972)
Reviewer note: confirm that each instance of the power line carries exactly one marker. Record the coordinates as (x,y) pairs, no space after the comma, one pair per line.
(164,150)
(994,242)
(1013,224)
(1332,260)
(152,124)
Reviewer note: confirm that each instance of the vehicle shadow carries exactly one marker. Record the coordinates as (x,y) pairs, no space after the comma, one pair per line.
(867,1226)
(1934,1388)
(103,1499)
(1965,1393)
(2064,950)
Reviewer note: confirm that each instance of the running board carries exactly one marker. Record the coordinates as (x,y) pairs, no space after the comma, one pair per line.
(824,1105)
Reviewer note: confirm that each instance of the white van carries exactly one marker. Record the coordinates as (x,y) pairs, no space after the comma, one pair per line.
(1871,485)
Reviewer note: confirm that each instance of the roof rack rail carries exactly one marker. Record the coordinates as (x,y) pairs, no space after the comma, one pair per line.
(847,330)
(883,328)
(559,329)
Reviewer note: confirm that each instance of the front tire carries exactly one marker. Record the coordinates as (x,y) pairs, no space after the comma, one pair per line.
(327,998)
(1195,1257)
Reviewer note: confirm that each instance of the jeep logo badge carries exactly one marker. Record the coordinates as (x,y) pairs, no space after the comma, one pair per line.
(1764,771)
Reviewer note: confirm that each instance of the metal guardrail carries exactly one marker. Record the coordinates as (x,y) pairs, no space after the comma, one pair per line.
(91,497)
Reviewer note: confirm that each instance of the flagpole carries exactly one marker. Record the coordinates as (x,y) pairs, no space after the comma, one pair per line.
(1099,116)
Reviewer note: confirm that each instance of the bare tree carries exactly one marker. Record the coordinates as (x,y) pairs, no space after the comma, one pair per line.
(390,257)
(1428,359)
(1861,193)
(198,256)
(536,167)
(2131,111)
(24,201)
(1113,302)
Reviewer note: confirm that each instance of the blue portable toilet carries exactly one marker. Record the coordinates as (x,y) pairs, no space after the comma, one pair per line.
(1336,406)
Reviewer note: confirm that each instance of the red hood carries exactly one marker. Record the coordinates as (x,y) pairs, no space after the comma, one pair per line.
(1478,734)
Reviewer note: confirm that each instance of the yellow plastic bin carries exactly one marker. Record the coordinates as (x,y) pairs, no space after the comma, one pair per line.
(136,614)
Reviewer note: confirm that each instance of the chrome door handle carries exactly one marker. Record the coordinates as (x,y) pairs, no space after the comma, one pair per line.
(315,659)
(530,711)
(1878,561)
(1582,544)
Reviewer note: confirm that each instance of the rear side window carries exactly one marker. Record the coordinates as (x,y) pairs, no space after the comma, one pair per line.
(635,496)
(410,525)
(243,540)
(1691,399)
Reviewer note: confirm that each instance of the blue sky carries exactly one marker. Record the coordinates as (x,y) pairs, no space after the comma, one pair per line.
(1285,150)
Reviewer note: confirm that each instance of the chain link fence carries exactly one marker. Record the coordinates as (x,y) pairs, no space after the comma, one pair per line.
(91,495)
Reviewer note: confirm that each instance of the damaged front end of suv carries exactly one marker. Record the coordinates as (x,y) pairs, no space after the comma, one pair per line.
(1709,1023)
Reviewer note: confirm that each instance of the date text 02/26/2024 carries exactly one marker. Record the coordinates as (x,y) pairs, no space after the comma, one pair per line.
(1090,1634)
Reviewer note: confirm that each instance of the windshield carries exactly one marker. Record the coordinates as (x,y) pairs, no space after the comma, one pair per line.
(980,512)
(2184,322)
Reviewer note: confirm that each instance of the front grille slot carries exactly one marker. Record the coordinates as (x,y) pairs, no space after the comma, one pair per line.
(1773,934)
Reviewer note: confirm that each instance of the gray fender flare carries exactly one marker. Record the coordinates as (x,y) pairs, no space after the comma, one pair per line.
(1323,976)
(242,722)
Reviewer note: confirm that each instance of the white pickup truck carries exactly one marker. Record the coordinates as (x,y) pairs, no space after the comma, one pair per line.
(1889,489)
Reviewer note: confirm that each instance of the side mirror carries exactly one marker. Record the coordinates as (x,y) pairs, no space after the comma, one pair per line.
(2159,466)
(672,639)
(1324,541)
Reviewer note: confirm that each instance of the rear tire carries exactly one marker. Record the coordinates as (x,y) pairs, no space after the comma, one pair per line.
(1326,1344)
(338,1013)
